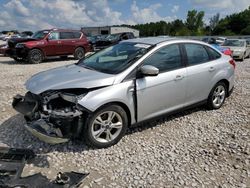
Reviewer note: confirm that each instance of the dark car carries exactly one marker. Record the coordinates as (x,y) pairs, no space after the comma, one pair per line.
(111,40)
(4,49)
(45,43)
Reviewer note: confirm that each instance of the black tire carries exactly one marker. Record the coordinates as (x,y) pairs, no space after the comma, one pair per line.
(243,58)
(211,102)
(64,57)
(79,53)
(35,56)
(91,127)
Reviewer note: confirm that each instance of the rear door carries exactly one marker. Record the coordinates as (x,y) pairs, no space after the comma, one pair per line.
(202,66)
(68,42)
(165,92)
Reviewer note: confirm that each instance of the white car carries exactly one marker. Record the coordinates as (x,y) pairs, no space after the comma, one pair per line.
(240,48)
(220,40)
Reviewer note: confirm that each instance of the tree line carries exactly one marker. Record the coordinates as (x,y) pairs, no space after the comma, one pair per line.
(234,24)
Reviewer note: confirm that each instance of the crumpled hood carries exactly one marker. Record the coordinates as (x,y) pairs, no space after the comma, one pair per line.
(12,42)
(66,77)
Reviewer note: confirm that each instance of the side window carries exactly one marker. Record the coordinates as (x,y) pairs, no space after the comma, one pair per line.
(54,36)
(165,59)
(77,35)
(196,54)
(213,54)
(66,35)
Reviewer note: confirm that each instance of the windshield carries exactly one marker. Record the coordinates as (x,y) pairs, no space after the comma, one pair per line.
(233,43)
(40,34)
(115,59)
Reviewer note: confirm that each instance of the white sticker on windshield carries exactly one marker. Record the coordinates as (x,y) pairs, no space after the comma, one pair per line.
(142,45)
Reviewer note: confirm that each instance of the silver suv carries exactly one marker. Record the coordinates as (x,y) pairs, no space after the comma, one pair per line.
(99,97)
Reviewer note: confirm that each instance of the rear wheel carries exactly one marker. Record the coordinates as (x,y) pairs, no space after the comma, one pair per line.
(106,127)
(79,53)
(217,96)
(35,56)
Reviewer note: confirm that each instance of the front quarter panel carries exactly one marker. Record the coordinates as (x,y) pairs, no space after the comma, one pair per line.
(121,93)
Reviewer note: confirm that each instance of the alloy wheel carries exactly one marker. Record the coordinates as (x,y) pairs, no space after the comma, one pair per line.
(107,126)
(219,95)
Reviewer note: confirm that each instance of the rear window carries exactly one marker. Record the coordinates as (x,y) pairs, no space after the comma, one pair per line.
(77,35)
(196,54)
(70,35)
(213,54)
(66,35)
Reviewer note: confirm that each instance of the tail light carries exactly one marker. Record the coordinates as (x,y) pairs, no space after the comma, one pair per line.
(232,62)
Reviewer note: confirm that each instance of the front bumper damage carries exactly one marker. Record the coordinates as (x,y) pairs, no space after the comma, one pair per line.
(53,118)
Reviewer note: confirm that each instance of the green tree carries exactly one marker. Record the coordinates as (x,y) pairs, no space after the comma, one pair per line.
(194,20)
(213,22)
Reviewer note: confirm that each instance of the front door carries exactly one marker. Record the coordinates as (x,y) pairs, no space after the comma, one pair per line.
(53,46)
(165,92)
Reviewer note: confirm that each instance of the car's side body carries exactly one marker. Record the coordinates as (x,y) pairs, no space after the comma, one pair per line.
(55,42)
(192,70)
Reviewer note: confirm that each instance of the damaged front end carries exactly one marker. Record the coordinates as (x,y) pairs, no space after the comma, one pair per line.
(53,116)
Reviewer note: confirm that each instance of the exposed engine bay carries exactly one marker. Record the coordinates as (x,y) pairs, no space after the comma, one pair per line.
(53,116)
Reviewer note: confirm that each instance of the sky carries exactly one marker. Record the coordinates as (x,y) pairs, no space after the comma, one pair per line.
(44,14)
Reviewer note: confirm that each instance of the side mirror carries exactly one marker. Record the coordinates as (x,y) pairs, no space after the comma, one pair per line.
(149,70)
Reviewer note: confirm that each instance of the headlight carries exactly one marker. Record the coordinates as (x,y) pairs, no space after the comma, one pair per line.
(20,45)
(72,97)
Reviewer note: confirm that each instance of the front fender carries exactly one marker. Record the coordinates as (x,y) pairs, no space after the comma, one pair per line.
(122,93)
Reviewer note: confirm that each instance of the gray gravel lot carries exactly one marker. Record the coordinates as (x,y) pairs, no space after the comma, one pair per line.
(195,148)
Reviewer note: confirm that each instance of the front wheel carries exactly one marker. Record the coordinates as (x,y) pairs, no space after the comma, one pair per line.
(217,96)
(35,56)
(106,127)
(79,53)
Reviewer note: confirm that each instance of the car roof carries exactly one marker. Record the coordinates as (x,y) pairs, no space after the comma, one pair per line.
(238,39)
(61,30)
(150,40)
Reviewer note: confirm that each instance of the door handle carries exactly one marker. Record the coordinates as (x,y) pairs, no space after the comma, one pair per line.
(211,69)
(59,42)
(178,77)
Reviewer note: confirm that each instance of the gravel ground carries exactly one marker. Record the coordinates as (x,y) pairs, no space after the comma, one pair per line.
(195,148)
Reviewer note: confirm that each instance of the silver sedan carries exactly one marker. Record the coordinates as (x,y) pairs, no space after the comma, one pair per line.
(99,97)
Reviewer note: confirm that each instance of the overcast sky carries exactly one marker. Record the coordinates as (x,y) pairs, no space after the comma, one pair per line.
(43,14)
